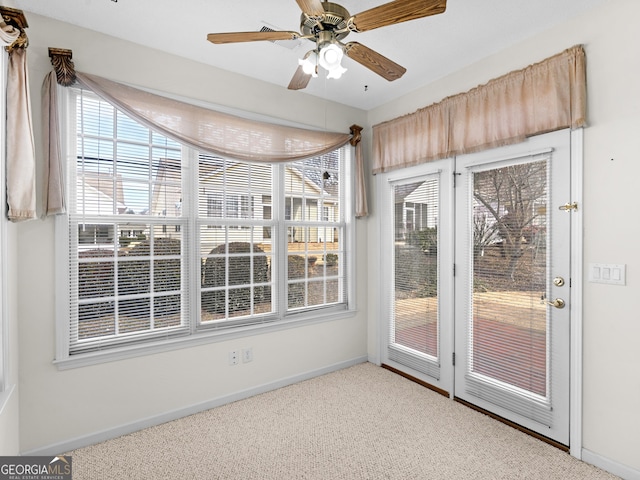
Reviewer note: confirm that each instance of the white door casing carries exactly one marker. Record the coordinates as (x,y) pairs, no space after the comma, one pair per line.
(455,296)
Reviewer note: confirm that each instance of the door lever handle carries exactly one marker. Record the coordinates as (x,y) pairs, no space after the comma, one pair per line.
(558,303)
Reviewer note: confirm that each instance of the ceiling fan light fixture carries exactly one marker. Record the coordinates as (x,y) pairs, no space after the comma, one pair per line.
(336,72)
(326,23)
(309,63)
(330,56)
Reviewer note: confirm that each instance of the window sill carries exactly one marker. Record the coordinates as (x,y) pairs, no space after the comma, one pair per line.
(201,338)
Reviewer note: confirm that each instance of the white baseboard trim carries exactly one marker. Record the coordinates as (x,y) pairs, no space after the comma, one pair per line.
(93,438)
(610,466)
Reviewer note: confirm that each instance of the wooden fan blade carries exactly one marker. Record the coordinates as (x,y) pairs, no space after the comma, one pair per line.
(313,8)
(300,80)
(396,12)
(374,61)
(236,37)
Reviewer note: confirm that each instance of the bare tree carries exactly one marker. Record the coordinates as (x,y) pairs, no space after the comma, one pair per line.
(484,233)
(512,195)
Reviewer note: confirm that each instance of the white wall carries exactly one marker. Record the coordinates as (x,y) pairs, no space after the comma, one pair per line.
(59,407)
(9,400)
(611,420)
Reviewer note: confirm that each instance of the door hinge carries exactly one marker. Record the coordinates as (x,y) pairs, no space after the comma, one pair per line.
(454,178)
(454,269)
(453,358)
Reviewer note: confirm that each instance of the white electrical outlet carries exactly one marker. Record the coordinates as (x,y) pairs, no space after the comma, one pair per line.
(234,357)
(247,355)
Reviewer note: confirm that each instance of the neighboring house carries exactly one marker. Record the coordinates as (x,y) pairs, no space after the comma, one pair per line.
(221,197)
(98,195)
(416,208)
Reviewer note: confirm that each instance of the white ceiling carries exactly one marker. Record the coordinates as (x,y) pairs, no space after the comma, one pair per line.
(429,48)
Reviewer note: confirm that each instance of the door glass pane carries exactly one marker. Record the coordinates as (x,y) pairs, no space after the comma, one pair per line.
(415,313)
(509,322)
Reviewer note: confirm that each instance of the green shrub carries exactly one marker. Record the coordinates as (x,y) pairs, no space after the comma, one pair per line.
(134,277)
(125,241)
(295,270)
(415,271)
(96,278)
(214,274)
(295,266)
(331,259)
(425,239)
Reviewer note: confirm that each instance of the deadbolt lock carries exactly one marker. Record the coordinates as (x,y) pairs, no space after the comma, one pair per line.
(558,281)
(567,207)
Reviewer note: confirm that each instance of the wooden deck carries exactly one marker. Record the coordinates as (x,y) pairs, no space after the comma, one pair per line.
(509,335)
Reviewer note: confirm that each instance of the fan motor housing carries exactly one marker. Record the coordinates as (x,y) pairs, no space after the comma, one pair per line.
(335,19)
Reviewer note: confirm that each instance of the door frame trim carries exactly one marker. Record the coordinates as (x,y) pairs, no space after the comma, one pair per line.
(577,258)
(577,243)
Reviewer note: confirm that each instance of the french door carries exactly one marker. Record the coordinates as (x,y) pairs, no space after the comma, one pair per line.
(512,319)
(491,324)
(418,260)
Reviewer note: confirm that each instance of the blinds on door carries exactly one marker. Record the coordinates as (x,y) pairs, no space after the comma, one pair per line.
(415,318)
(508,337)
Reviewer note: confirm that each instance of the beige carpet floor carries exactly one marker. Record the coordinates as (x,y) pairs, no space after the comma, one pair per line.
(363,422)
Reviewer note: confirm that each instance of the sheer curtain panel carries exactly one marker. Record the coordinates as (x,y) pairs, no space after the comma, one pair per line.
(218,133)
(21,164)
(53,194)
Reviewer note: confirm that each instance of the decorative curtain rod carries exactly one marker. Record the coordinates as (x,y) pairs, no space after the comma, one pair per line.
(63,66)
(16,19)
(67,76)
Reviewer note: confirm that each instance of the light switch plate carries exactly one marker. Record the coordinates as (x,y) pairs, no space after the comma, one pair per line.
(610,273)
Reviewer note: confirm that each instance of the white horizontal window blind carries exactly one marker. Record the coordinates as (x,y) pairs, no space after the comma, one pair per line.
(508,331)
(164,241)
(315,230)
(235,244)
(415,309)
(126,231)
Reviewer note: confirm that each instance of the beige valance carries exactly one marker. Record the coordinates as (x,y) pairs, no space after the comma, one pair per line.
(540,98)
(212,131)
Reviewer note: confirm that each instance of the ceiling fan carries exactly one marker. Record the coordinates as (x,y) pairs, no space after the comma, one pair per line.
(327,23)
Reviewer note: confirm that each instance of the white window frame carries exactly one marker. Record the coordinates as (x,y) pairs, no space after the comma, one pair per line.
(198,336)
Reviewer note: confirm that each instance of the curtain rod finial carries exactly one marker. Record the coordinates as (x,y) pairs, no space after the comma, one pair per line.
(63,66)
(15,18)
(356,131)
